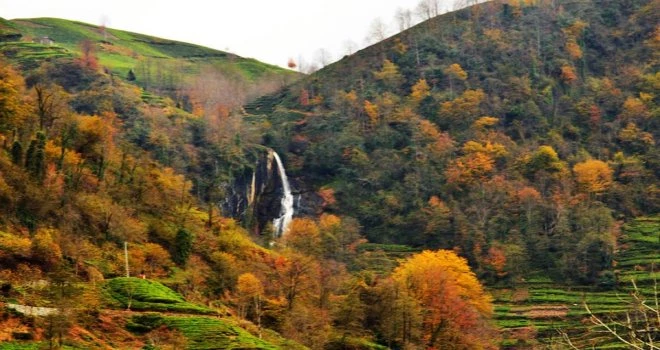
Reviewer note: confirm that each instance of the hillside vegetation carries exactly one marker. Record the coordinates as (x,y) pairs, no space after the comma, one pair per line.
(514,132)
(473,182)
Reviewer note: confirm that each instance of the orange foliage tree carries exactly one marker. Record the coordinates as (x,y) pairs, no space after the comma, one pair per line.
(455,306)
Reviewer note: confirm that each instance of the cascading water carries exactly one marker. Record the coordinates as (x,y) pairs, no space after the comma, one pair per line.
(286,212)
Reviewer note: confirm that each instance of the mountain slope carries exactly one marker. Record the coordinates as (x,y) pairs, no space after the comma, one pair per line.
(477,129)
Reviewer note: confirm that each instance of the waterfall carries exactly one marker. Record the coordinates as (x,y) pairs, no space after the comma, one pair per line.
(286,212)
(253,188)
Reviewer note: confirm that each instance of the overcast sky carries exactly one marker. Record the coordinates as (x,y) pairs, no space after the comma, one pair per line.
(268,30)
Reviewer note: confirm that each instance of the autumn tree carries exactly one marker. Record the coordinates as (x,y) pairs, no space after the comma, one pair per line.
(420,91)
(52,103)
(13,107)
(371,110)
(456,306)
(303,235)
(463,110)
(546,159)
(455,72)
(44,248)
(296,276)
(572,34)
(88,58)
(593,176)
(389,74)
(250,293)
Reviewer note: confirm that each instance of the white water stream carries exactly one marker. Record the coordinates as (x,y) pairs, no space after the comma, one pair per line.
(286,212)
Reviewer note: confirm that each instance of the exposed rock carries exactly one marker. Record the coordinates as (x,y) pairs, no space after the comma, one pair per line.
(32,310)
(255,198)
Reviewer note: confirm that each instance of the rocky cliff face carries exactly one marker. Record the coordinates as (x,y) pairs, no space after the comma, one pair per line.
(255,198)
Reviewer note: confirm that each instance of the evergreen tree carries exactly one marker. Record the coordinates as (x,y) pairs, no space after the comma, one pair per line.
(29,155)
(35,158)
(17,152)
(182,247)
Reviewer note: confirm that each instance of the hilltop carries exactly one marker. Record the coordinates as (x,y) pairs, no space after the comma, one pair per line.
(120,51)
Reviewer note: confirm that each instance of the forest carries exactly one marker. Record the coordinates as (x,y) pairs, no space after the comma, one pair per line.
(498,157)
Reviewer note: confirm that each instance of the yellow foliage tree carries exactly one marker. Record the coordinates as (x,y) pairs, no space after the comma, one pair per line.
(593,176)
(485,122)
(572,33)
(420,90)
(304,236)
(13,108)
(249,294)
(456,307)
(470,168)
(455,71)
(464,108)
(389,74)
(44,248)
(372,112)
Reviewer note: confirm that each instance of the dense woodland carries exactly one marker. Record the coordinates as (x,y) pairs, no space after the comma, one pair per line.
(483,146)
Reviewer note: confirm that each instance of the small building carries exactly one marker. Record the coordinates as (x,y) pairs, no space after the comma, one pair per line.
(44,40)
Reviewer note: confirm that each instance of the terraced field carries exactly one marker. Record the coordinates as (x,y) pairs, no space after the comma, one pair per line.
(537,313)
(145,295)
(201,332)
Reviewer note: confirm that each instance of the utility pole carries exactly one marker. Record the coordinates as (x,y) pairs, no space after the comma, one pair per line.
(128,274)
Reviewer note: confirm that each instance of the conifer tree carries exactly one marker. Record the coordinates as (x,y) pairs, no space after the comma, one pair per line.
(182,247)
(17,152)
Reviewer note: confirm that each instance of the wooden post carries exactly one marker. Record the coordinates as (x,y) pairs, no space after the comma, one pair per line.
(128,274)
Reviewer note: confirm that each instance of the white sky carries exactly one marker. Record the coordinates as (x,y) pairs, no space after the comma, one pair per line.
(268,30)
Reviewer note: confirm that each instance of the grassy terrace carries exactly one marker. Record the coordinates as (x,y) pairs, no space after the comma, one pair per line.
(201,332)
(145,295)
(535,312)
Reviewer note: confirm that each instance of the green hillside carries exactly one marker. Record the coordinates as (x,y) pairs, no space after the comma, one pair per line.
(120,50)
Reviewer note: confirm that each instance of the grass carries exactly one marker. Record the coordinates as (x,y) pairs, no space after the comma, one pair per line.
(120,50)
(148,295)
(202,332)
